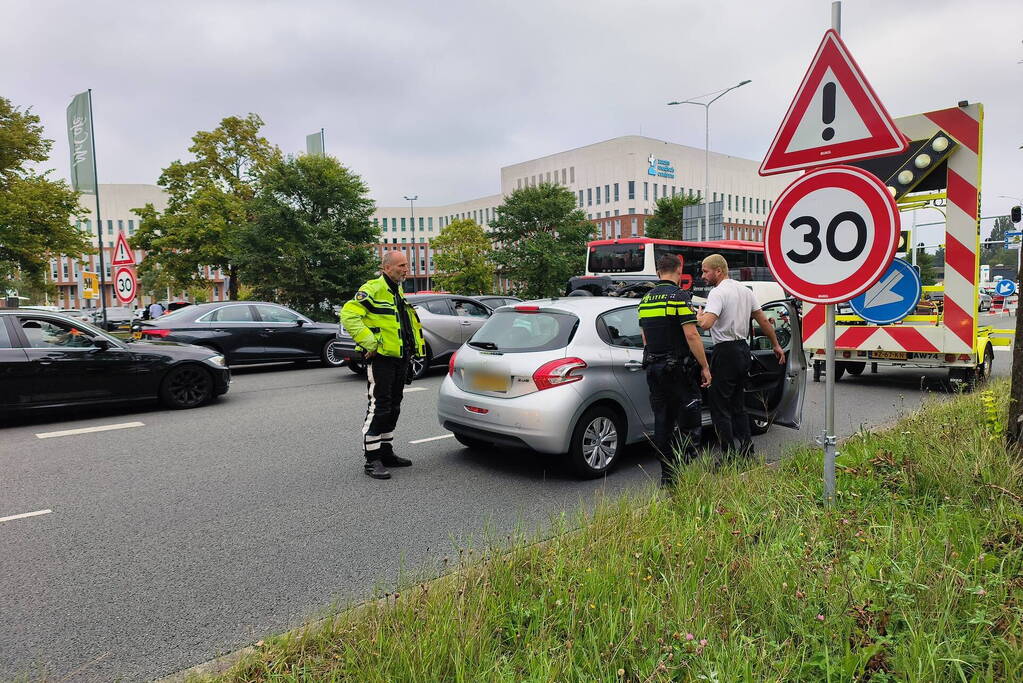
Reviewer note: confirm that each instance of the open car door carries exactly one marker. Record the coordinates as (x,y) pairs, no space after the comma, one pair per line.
(775,392)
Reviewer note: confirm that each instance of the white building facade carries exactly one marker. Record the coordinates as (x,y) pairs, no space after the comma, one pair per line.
(616,183)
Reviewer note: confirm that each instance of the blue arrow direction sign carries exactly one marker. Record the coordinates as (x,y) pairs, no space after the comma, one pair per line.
(1005,288)
(1014,234)
(894,296)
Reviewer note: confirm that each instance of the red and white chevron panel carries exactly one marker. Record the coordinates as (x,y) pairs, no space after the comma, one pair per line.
(958,330)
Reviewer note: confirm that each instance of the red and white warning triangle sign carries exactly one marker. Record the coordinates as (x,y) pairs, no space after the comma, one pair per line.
(123,255)
(835,117)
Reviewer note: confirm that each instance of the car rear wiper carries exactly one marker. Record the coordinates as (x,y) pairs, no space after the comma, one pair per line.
(488,346)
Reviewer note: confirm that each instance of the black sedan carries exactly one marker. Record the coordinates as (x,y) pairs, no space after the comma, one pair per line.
(246,332)
(51,360)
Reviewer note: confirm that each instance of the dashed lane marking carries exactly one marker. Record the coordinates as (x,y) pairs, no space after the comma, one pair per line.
(23,515)
(409,391)
(433,438)
(89,430)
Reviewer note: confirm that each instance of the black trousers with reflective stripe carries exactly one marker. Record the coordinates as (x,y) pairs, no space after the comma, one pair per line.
(385,379)
(675,400)
(729,367)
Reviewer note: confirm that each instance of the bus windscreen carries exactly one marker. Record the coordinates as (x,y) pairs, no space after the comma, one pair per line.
(617,258)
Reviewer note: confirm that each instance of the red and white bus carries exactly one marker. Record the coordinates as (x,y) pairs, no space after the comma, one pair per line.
(632,259)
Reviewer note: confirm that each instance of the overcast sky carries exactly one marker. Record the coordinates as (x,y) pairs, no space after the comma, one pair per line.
(432,98)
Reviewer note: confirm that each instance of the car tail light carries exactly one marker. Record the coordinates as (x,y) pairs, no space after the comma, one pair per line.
(950,357)
(451,363)
(557,372)
(527,309)
(155,333)
(477,410)
(965,357)
(846,354)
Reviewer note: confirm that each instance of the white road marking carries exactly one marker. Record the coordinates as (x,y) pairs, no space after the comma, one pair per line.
(23,515)
(433,438)
(409,391)
(89,430)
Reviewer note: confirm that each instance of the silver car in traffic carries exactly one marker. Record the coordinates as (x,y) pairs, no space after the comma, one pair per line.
(565,376)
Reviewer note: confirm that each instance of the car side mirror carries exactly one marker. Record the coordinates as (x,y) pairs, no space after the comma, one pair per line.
(300,322)
(100,343)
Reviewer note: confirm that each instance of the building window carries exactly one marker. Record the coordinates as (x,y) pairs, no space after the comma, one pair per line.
(110,227)
(634,228)
(580,198)
(589,196)
(532,180)
(607,194)
(564,176)
(655,192)
(403,224)
(631,210)
(646,192)
(131,227)
(672,190)
(616,192)
(421,223)
(632,191)
(729,202)
(571,174)
(616,212)
(664,190)
(598,195)
(518,184)
(548,177)
(65,271)
(744,204)
(429,223)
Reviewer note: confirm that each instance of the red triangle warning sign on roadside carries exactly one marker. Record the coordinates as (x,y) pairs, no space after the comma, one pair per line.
(835,117)
(123,255)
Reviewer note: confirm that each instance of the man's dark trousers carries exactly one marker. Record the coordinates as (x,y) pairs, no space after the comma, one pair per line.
(675,400)
(385,377)
(729,366)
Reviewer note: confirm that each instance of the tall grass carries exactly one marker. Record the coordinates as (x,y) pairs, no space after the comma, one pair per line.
(915,574)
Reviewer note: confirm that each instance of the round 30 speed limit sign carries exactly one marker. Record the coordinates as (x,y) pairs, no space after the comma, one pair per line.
(832,234)
(125,285)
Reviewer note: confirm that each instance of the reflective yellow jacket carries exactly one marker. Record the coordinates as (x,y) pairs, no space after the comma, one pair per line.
(371,317)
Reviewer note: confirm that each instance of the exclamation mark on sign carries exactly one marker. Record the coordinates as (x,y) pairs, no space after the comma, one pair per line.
(828,114)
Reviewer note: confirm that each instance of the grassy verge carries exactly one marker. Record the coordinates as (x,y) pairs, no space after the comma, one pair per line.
(916,574)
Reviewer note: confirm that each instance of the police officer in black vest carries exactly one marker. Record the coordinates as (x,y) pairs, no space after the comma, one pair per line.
(676,366)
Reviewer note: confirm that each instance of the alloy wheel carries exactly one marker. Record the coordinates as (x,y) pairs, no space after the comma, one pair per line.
(188,386)
(331,354)
(600,443)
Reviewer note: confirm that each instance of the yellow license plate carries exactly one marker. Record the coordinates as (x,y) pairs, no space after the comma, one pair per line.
(482,381)
(889,355)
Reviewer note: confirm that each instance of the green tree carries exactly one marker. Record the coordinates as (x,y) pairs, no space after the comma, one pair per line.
(35,212)
(541,239)
(462,254)
(666,222)
(308,245)
(925,262)
(209,205)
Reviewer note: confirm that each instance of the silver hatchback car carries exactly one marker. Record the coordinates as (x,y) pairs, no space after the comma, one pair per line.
(565,376)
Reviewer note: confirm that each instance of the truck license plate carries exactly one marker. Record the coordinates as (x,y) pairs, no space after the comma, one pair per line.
(889,355)
(485,381)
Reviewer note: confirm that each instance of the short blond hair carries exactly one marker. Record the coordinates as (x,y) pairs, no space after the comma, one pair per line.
(716,262)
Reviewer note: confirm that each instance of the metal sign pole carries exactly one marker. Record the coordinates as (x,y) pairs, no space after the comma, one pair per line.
(830,440)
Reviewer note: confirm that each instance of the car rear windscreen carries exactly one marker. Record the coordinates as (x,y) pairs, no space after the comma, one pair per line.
(616,258)
(511,331)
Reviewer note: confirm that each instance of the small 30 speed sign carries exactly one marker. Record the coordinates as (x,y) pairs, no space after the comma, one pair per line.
(125,285)
(832,233)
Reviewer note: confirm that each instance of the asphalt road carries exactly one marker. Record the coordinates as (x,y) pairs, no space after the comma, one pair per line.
(201,531)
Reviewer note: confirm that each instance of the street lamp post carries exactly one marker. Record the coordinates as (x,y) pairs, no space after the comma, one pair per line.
(415,248)
(706,149)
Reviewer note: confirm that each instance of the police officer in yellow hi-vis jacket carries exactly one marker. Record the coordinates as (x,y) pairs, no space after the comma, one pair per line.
(387,329)
(676,367)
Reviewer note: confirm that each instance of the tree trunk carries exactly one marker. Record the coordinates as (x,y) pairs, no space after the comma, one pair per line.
(232,283)
(1014,430)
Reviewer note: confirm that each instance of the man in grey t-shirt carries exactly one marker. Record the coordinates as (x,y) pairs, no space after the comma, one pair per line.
(727,315)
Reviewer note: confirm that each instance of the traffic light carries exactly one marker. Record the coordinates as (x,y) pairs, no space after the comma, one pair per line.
(1015,214)
(904,243)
